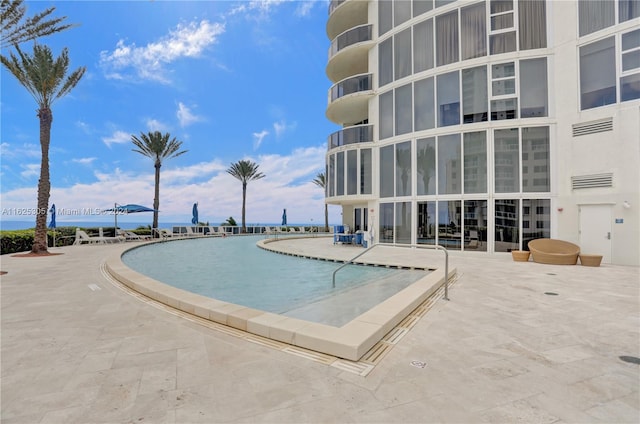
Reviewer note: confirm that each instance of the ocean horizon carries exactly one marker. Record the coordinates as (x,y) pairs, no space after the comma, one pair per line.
(25,225)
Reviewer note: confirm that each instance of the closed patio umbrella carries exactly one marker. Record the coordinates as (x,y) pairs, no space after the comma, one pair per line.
(52,224)
(194,213)
(284,217)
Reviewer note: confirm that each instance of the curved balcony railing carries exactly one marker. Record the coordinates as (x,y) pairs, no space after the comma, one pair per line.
(350,135)
(350,37)
(333,5)
(351,85)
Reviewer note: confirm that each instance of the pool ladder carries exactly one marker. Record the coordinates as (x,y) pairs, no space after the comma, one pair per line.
(419,246)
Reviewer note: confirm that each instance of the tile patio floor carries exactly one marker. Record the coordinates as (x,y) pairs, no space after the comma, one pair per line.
(75,348)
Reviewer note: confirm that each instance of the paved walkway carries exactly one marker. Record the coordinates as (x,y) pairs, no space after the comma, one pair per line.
(77,349)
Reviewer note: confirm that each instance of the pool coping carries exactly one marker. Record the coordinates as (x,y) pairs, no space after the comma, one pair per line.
(350,341)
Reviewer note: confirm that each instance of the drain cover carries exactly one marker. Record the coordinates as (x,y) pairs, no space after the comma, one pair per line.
(551,273)
(419,364)
(630,359)
(551,293)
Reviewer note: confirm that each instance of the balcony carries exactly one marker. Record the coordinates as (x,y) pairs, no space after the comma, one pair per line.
(350,135)
(346,14)
(349,100)
(349,53)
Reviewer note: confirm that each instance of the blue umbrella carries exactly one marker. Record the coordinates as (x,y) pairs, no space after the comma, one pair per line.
(125,209)
(284,217)
(194,212)
(52,211)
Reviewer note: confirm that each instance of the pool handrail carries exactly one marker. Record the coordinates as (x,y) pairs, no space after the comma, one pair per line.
(420,246)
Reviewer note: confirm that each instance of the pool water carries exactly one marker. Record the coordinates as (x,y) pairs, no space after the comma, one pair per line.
(235,270)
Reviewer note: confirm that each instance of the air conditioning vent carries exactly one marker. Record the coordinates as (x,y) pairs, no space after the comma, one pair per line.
(592,181)
(593,127)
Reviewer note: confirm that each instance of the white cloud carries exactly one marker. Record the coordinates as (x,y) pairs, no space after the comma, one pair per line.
(30,170)
(148,62)
(258,138)
(118,137)
(155,125)
(287,184)
(86,128)
(185,116)
(281,127)
(84,161)
(26,150)
(304,8)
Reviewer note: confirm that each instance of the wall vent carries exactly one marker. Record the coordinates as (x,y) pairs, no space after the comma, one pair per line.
(592,181)
(593,127)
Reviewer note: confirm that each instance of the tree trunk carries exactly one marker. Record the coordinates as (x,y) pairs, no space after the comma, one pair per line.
(156,198)
(44,184)
(326,218)
(244,201)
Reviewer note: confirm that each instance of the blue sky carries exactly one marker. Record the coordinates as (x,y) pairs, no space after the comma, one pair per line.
(232,80)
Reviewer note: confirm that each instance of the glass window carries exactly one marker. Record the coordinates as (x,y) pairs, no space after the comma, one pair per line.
(475,225)
(506,161)
(503,80)
(421,6)
(385,16)
(426,164)
(506,221)
(473,25)
(401,11)
(630,87)
(403,222)
(475,162)
(424,109)
(352,172)
(450,224)
(332,178)
(440,3)
(475,103)
(423,46)
(340,174)
(365,171)
(426,222)
(386,223)
(385,61)
(386,171)
(447,38)
(402,54)
(403,169)
(503,43)
(535,159)
(449,164)
(532,21)
(536,220)
(628,9)
(594,15)
(631,50)
(533,88)
(597,74)
(504,109)
(386,115)
(403,112)
(448,96)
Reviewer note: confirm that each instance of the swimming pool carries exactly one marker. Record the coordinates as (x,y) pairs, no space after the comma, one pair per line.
(235,270)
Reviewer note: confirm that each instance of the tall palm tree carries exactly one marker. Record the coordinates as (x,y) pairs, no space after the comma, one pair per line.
(46,79)
(157,147)
(321,181)
(245,171)
(15,31)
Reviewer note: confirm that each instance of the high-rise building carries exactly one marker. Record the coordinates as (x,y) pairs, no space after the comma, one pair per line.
(481,125)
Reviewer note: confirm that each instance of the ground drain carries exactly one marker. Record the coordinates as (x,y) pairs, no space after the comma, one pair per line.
(418,364)
(630,359)
(551,293)
(551,273)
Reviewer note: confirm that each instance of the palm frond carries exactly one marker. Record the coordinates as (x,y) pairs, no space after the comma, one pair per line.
(14,32)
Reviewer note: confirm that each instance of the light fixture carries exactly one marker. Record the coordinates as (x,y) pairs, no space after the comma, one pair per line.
(626,205)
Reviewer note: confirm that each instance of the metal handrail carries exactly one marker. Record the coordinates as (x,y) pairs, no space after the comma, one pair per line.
(420,246)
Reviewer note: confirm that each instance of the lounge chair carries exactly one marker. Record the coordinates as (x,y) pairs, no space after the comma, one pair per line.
(301,230)
(83,237)
(107,239)
(292,230)
(129,235)
(555,252)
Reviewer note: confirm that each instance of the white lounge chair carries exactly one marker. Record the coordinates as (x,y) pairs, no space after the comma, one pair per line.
(301,230)
(129,235)
(104,239)
(292,230)
(83,237)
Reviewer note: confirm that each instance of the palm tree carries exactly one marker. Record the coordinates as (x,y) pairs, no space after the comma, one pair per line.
(157,147)
(46,79)
(14,31)
(321,181)
(245,171)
